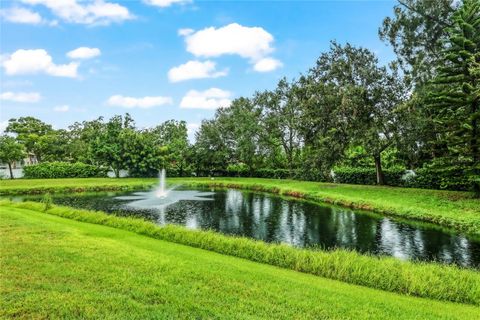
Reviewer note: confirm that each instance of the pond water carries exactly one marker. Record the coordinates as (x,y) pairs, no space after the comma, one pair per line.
(299,223)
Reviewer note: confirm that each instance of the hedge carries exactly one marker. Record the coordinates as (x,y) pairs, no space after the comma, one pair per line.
(54,170)
(425,178)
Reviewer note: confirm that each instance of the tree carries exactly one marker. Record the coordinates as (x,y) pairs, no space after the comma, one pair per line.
(455,95)
(107,146)
(417,32)
(370,96)
(173,136)
(280,117)
(10,150)
(29,131)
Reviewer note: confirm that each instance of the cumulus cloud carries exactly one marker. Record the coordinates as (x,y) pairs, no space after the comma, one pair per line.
(63,108)
(28,97)
(253,43)
(37,61)
(144,102)
(247,42)
(165,3)
(267,64)
(210,99)
(97,12)
(195,70)
(21,15)
(84,53)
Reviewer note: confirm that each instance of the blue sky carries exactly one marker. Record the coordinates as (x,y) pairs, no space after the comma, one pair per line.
(66,61)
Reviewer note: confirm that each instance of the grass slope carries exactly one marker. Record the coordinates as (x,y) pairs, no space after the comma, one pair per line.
(426,280)
(457,210)
(59,268)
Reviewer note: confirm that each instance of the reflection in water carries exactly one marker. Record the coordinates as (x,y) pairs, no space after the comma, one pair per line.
(299,223)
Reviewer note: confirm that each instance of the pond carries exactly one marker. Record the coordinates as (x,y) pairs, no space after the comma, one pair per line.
(276,219)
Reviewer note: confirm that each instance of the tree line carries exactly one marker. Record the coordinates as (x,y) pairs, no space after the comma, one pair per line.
(348,110)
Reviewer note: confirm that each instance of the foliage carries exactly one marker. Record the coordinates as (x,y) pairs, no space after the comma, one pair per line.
(389,274)
(455,92)
(54,170)
(10,151)
(393,177)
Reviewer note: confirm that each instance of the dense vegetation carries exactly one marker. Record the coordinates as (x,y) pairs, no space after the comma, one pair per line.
(419,112)
(82,270)
(53,170)
(425,280)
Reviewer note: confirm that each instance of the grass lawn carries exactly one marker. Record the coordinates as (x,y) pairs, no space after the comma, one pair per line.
(53,267)
(452,209)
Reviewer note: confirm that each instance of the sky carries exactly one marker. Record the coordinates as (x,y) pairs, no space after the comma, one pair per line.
(72,60)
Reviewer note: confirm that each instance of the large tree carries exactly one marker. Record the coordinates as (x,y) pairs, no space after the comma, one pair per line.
(455,96)
(29,132)
(417,32)
(370,97)
(10,150)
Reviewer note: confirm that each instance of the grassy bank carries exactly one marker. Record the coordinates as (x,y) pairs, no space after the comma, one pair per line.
(68,269)
(452,209)
(37,186)
(456,210)
(419,279)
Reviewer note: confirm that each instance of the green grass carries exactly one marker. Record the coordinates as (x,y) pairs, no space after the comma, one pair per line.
(420,279)
(53,267)
(456,210)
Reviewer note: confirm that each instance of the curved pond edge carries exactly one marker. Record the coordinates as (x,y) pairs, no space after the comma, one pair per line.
(428,280)
(469,228)
(468,224)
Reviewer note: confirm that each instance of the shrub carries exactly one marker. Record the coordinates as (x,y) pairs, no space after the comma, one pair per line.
(273,173)
(393,177)
(238,170)
(53,170)
(454,178)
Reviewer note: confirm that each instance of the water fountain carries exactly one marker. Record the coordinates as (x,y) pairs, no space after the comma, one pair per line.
(161,197)
(161,192)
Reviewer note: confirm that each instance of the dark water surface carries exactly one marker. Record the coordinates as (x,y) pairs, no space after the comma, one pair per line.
(299,223)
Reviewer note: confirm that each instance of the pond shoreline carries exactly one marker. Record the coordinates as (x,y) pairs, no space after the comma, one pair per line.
(450,209)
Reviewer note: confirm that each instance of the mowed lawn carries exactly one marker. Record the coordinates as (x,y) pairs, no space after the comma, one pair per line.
(53,267)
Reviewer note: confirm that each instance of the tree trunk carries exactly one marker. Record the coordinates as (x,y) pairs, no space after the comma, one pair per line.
(117,172)
(378,169)
(11,172)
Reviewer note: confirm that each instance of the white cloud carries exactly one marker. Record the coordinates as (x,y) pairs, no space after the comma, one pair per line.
(253,43)
(28,97)
(21,15)
(165,3)
(63,108)
(144,102)
(185,31)
(195,70)
(211,99)
(97,12)
(248,42)
(267,64)
(37,61)
(84,53)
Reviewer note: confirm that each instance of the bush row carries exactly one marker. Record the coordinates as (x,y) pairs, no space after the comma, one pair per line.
(428,280)
(425,178)
(53,170)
